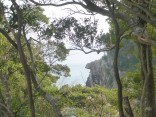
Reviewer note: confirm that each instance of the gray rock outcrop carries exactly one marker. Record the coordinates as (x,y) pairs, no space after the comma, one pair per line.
(101,71)
(101,74)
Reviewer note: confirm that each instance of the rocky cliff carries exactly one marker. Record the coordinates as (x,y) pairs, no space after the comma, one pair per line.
(101,71)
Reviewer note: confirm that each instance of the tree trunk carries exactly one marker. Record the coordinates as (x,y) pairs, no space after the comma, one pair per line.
(115,64)
(128,108)
(28,77)
(46,96)
(22,57)
(116,54)
(147,105)
(116,69)
(117,77)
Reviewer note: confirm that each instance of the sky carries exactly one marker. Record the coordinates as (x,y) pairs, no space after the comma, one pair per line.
(76,60)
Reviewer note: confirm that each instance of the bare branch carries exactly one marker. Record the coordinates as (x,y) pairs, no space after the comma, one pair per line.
(146,41)
(79,12)
(92,50)
(8,111)
(57,5)
(29,50)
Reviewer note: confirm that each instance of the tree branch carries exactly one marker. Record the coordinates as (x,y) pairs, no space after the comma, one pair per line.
(8,111)
(57,5)
(8,38)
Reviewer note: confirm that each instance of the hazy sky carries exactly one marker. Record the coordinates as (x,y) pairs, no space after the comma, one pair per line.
(76,60)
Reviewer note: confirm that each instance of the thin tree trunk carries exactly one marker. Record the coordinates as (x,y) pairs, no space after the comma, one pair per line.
(117,77)
(128,108)
(23,59)
(115,64)
(28,77)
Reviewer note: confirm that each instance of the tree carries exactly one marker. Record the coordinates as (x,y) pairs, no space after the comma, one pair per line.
(136,15)
(17,22)
(135,22)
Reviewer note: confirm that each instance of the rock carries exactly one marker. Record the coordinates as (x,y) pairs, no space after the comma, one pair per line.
(101,71)
(100,74)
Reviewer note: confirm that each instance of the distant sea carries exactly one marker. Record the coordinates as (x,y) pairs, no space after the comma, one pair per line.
(77,61)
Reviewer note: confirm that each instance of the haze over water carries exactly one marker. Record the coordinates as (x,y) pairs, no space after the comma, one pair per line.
(77,61)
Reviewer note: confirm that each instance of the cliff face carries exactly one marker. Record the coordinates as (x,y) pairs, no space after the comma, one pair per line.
(101,71)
